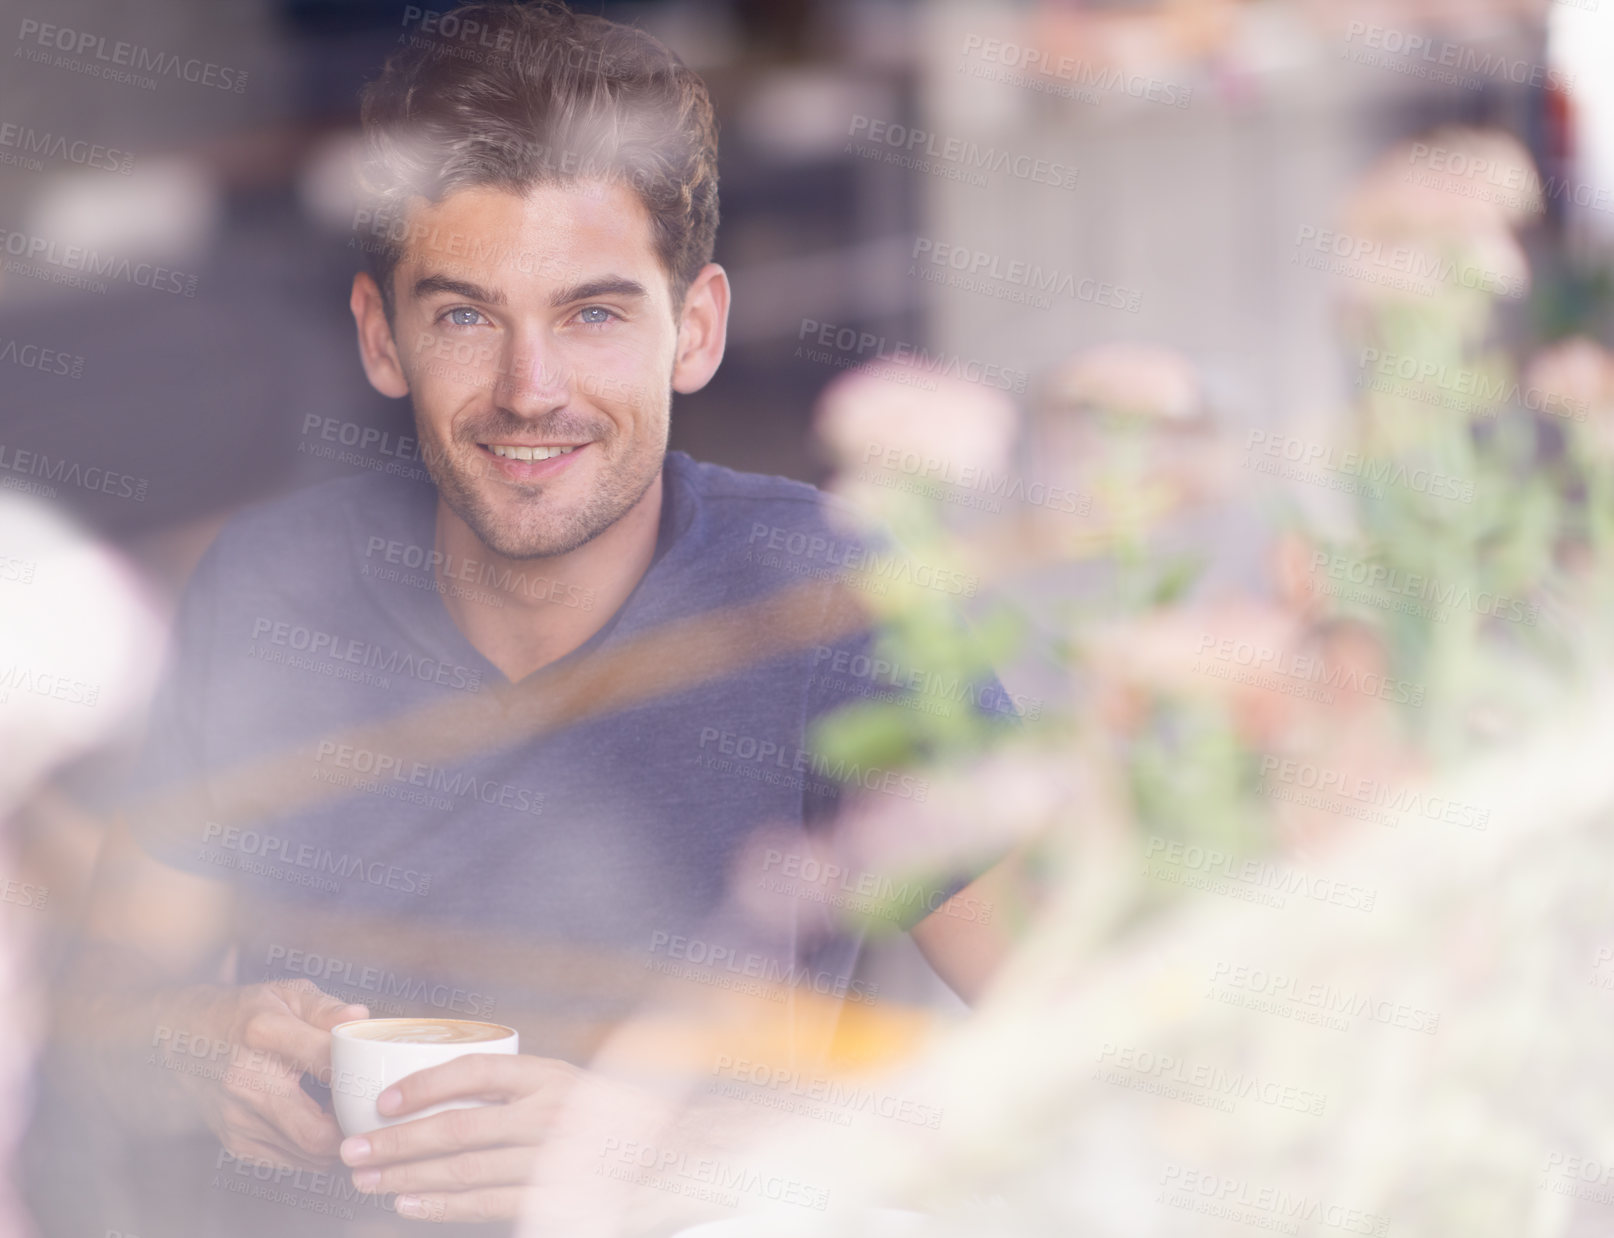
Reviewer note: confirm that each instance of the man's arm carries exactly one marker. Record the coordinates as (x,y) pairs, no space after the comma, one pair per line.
(969,936)
(173,1044)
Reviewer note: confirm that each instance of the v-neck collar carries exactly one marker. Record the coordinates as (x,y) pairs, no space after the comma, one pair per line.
(443,633)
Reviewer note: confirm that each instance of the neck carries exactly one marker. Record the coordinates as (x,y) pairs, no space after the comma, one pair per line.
(523,614)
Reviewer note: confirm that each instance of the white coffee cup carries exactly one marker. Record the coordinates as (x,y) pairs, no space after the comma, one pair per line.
(370,1055)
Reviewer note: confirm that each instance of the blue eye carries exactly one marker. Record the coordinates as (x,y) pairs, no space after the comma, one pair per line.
(605,315)
(469,319)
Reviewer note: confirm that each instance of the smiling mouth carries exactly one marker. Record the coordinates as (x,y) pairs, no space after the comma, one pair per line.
(511,451)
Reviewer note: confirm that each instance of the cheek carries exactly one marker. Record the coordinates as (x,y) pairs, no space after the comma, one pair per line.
(439,404)
(451,365)
(626,381)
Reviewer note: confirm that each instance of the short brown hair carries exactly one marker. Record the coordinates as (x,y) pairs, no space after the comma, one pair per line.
(517,95)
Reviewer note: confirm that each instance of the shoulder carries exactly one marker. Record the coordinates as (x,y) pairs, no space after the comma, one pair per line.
(745,502)
(744,535)
(308,537)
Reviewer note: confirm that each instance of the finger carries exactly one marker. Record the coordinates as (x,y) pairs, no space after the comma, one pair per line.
(477,1076)
(252,1152)
(296,1045)
(248,1135)
(464,1171)
(442,1134)
(308,1002)
(488,1204)
(302,1123)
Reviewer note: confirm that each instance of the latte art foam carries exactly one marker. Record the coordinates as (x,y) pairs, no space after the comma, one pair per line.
(427,1031)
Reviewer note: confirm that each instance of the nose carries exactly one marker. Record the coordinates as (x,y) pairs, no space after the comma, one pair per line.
(532,378)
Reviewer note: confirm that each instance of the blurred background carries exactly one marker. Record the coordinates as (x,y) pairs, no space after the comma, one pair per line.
(1283,296)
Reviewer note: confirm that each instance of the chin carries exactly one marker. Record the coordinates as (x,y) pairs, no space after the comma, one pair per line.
(519,543)
(513,538)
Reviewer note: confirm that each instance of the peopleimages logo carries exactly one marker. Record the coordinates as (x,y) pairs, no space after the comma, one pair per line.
(750,756)
(1199,1083)
(378,766)
(1461,172)
(332,974)
(1198,1190)
(451,35)
(257,852)
(1337,790)
(1463,388)
(932,473)
(815,554)
(323,1192)
(21,571)
(67,472)
(45,360)
(1259,988)
(20,678)
(965,160)
(1441,60)
(1414,587)
(75,264)
(23,893)
(1022,282)
(456,568)
(764,969)
(386,228)
(862,891)
(105,59)
(842,1099)
(1284,665)
(1356,472)
(31,144)
(1406,268)
(1176,859)
(701,1178)
(908,683)
(361,653)
(845,346)
(1085,79)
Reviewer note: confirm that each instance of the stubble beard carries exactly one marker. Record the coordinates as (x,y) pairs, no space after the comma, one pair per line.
(523,529)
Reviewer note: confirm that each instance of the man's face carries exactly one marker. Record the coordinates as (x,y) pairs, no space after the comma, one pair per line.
(528,323)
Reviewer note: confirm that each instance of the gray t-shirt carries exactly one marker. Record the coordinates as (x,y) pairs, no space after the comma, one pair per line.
(407,829)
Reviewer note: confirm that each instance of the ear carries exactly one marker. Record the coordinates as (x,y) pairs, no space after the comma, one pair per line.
(376,347)
(703,330)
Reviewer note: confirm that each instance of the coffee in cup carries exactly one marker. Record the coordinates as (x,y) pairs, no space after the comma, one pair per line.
(370,1055)
(426,1031)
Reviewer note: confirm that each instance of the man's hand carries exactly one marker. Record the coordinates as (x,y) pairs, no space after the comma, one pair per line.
(263,1037)
(464,1164)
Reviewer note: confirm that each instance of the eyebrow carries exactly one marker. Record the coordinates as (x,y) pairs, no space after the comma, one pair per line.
(428,285)
(607,286)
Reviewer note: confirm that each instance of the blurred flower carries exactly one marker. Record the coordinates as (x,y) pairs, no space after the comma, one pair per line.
(1154,40)
(1450,199)
(78,638)
(79,635)
(1149,380)
(1290,561)
(1578,368)
(1576,377)
(1179,652)
(1459,171)
(881,414)
(969,814)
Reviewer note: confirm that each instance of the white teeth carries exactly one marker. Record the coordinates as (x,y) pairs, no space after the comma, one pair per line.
(528,453)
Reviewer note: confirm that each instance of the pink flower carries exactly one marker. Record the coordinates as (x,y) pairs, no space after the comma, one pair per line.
(894,415)
(1440,212)
(1149,380)
(1574,379)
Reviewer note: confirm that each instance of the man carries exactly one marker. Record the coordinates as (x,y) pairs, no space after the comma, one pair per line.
(519,744)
